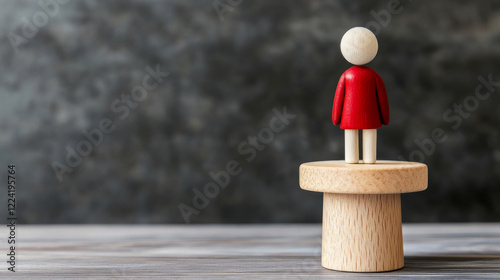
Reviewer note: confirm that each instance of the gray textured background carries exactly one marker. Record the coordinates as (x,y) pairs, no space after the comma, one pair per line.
(226,77)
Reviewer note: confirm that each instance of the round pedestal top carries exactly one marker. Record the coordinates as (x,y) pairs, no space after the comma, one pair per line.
(382,177)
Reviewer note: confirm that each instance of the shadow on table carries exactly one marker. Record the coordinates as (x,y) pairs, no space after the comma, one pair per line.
(452,263)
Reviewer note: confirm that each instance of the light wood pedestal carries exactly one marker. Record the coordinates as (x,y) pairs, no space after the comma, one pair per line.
(362,230)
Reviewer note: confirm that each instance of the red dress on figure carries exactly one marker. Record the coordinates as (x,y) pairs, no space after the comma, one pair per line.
(360,100)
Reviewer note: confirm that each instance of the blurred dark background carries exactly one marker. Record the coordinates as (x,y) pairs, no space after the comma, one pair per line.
(232,65)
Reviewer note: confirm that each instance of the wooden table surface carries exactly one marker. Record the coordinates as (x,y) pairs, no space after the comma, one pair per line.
(278,251)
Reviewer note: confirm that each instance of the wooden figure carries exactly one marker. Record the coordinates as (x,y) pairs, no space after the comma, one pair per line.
(362,229)
(360,99)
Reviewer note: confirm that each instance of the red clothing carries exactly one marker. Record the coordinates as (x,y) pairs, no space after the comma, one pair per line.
(360,100)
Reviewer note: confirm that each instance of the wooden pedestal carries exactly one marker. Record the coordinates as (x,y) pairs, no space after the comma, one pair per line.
(362,211)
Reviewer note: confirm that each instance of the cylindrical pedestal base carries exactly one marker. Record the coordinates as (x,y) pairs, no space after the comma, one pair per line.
(362,232)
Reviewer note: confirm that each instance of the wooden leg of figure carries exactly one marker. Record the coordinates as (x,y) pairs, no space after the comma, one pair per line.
(369,145)
(351,145)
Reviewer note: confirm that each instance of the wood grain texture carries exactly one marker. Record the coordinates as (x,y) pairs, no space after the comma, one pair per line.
(362,232)
(384,176)
(362,211)
(439,251)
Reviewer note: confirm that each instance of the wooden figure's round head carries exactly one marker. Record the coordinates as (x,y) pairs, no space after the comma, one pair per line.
(359,46)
